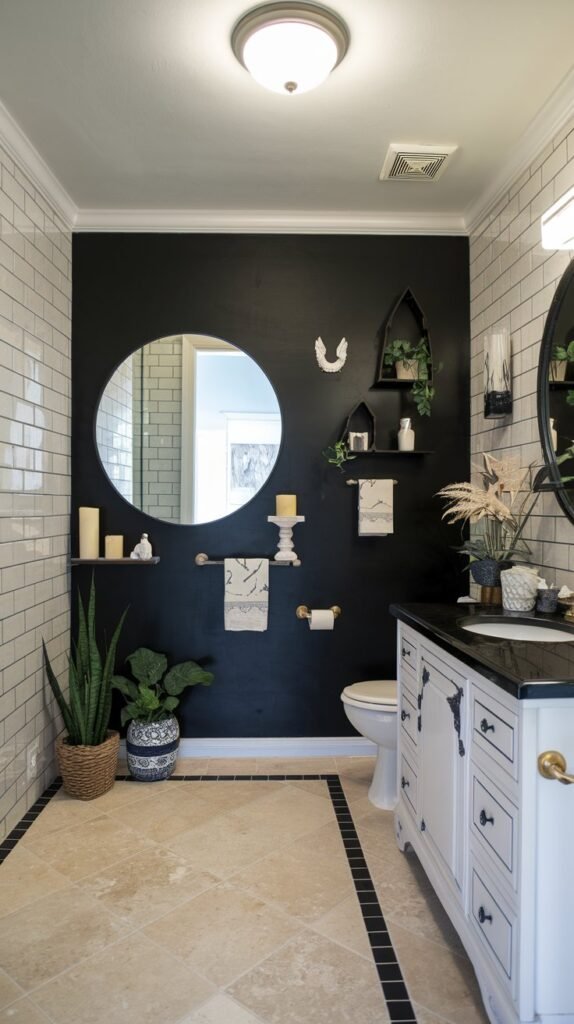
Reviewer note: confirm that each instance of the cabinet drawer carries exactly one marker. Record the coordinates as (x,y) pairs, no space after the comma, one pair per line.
(492,922)
(494,820)
(408,784)
(408,715)
(408,649)
(495,731)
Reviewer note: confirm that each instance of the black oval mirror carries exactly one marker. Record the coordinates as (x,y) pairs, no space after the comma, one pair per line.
(556,394)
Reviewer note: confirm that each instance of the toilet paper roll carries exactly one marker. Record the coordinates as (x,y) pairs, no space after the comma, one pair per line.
(321,618)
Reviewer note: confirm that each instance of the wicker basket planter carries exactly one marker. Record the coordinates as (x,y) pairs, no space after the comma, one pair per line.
(88,772)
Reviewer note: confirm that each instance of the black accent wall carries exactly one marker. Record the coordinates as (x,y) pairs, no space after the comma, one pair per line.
(272,296)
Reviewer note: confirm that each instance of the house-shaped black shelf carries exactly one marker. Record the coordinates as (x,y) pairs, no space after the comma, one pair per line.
(406,320)
(361,420)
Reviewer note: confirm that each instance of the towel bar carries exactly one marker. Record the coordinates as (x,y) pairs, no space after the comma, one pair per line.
(202,559)
(350,483)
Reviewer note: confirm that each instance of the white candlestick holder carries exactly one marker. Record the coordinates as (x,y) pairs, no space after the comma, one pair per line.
(286,524)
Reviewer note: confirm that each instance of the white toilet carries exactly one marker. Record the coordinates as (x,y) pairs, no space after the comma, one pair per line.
(371,708)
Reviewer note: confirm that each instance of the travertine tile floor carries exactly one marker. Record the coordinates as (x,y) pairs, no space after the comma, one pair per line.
(218,903)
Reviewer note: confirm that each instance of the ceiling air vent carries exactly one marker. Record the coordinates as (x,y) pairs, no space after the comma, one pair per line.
(404,162)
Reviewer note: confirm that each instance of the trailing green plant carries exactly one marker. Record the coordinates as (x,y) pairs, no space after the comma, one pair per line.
(156,694)
(415,355)
(337,454)
(87,707)
(562,353)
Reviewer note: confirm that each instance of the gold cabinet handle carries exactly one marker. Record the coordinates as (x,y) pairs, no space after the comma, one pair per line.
(552,765)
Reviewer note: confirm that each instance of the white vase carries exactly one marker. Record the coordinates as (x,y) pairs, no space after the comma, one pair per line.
(558,369)
(519,589)
(406,436)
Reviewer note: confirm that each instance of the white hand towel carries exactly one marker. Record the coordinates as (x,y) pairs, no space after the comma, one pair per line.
(246,593)
(375,508)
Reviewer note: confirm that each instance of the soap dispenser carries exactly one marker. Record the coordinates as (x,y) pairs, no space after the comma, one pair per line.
(406,436)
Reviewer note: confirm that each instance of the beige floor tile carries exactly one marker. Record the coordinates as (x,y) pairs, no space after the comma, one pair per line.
(357,768)
(438,979)
(224,844)
(191,765)
(313,980)
(9,990)
(79,851)
(221,1010)
(305,879)
(164,816)
(143,888)
(61,813)
(23,1012)
(229,796)
(230,766)
(317,788)
(419,910)
(287,813)
(124,793)
(42,940)
(296,765)
(344,924)
(25,878)
(426,1017)
(223,932)
(133,982)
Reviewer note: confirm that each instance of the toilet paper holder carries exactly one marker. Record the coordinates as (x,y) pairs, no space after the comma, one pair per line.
(302,612)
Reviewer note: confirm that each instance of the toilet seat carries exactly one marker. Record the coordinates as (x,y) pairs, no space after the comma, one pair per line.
(377,694)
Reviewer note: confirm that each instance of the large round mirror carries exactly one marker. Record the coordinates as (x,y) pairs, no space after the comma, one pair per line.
(556,394)
(188,429)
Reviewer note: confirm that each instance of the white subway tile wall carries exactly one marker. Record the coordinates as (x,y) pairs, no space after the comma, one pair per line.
(35,296)
(114,429)
(512,282)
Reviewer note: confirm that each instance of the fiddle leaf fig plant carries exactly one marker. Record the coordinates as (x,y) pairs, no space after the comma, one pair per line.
(156,693)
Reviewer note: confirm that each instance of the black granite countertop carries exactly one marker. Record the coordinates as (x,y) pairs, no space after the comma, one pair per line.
(524,668)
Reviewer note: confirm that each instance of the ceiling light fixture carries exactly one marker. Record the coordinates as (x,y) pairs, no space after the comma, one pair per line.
(290,47)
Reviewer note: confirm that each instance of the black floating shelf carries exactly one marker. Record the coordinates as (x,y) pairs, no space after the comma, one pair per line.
(115,561)
(561,385)
(391,451)
(394,382)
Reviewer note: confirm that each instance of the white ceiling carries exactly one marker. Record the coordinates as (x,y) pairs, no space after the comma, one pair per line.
(140,105)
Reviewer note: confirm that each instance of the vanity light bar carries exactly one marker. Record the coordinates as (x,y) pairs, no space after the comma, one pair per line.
(557,224)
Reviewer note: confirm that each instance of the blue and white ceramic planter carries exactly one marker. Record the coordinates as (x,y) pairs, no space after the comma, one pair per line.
(151,749)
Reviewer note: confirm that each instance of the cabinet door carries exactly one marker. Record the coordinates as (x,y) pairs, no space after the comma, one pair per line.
(441,774)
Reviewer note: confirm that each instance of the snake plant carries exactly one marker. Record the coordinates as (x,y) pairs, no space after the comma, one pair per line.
(86,709)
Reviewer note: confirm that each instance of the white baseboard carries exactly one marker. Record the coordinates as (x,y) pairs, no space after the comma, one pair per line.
(279,747)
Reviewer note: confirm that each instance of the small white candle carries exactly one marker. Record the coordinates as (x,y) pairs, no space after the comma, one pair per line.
(89,532)
(285,504)
(114,545)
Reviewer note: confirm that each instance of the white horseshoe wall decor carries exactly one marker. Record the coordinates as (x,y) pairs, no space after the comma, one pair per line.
(338,363)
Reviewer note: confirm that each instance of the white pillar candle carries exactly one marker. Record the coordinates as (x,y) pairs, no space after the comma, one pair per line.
(89,532)
(114,545)
(285,504)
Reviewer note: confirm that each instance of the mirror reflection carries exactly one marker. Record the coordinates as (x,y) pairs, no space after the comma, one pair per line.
(188,429)
(556,393)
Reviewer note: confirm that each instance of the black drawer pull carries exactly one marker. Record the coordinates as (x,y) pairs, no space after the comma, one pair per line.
(404,782)
(485,726)
(405,714)
(406,653)
(483,916)
(485,820)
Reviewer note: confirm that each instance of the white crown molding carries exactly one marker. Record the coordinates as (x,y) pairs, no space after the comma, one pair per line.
(547,123)
(20,149)
(270,222)
(313,746)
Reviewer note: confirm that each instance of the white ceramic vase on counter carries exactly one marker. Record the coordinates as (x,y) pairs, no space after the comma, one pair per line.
(519,588)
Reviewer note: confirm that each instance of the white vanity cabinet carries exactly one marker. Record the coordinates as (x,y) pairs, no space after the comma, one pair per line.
(495,839)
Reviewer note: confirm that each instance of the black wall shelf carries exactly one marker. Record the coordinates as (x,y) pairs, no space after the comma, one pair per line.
(391,451)
(115,561)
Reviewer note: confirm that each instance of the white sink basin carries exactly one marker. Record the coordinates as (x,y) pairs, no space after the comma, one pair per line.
(534,631)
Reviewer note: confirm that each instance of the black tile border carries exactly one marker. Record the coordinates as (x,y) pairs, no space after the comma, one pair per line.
(395,993)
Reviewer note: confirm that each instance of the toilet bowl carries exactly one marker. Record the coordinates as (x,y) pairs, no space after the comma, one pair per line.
(371,707)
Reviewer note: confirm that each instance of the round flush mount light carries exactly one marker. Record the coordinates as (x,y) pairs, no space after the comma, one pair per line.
(290,47)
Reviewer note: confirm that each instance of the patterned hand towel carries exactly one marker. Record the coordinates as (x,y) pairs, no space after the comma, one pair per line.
(375,508)
(246,593)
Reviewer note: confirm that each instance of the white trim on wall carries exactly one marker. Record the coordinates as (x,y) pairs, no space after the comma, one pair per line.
(297,746)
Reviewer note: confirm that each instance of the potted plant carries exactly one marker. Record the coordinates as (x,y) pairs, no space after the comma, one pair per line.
(412,361)
(500,509)
(337,454)
(561,356)
(87,756)
(152,739)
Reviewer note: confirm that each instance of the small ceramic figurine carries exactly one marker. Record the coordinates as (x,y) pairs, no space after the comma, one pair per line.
(142,550)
